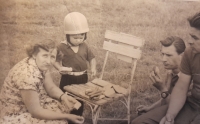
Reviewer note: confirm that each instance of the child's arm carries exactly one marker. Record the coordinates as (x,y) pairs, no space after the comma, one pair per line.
(93,67)
(58,64)
(61,69)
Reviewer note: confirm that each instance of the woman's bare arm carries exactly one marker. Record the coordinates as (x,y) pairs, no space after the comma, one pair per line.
(31,100)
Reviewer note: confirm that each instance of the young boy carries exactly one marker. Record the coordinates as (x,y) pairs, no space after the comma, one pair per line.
(74,53)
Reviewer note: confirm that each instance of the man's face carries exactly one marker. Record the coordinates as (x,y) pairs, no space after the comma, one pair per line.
(170,58)
(44,58)
(195,41)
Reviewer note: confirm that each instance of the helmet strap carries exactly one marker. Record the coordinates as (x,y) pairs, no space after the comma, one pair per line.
(70,43)
(68,40)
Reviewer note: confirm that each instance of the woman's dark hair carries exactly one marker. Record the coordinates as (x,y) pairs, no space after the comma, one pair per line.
(45,45)
(68,39)
(195,21)
(176,41)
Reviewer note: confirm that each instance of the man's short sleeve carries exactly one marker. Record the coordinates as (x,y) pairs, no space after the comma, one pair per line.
(185,66)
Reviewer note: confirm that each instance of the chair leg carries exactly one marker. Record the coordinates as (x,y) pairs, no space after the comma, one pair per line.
(95,115)
(129,118)
(128,109)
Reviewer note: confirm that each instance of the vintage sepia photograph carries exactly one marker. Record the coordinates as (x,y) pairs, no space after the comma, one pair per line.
(100,62)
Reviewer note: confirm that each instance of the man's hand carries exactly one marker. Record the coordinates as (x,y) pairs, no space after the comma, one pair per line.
(167,120)
(156,79)
(68,101)
(142,109)
(76,119)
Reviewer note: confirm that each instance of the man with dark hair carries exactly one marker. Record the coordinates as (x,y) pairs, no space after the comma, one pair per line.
(176,41)
(185,109)
(172,50)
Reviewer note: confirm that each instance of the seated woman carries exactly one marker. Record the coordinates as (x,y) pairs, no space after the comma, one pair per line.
(29,95)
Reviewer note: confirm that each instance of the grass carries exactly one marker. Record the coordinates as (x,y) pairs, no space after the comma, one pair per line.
(26,22)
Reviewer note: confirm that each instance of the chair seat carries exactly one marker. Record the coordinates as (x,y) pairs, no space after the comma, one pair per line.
(111,91)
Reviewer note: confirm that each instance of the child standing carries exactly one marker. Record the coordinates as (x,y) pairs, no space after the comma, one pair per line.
(74,54)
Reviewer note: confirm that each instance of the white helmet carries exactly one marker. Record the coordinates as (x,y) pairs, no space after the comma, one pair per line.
(75,23)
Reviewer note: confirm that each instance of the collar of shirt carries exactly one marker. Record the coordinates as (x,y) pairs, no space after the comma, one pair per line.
(178,74)
(174,75)
(64,42)
(37,72)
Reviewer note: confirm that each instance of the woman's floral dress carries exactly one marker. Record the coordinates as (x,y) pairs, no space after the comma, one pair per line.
(25,75)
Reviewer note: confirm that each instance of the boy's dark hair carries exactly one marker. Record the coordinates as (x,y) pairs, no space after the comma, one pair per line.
(195,21)
(176,41)
(68,39)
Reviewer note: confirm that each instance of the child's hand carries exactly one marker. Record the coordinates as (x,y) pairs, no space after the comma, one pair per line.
(93,72)
(64,70)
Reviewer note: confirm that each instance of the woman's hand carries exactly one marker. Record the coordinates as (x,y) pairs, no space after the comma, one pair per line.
(68,101)
(76,119)
(142,108)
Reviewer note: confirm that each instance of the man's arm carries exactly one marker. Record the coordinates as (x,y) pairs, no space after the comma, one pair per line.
(158,82)
(178,98)
(156,104)
(142,108)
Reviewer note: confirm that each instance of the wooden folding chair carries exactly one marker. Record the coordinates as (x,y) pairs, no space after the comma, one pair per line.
(128,49)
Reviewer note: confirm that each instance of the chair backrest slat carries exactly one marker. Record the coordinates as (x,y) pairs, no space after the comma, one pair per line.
(125,45)
(121,49)
(124,38)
